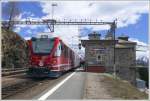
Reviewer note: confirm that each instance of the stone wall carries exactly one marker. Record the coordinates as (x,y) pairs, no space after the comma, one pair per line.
(125,64)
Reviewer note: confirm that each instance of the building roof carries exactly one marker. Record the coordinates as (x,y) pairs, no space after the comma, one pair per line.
(123,46)
(97,41)
(119,43)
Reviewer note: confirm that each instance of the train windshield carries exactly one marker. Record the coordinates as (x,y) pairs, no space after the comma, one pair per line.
(42,45)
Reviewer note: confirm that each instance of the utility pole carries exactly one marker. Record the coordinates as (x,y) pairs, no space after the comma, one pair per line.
(113,27)
(79,37)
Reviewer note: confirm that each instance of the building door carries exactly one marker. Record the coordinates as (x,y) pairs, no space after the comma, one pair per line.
(100,59)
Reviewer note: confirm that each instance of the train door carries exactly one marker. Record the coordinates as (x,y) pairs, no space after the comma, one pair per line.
(58,53)
(58,50)
(72,59)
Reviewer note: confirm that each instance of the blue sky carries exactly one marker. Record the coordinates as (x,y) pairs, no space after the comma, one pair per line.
(138,30)
(132,18)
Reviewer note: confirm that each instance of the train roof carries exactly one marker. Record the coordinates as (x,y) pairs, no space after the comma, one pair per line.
(46,34)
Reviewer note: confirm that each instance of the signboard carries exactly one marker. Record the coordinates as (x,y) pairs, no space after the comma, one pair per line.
(99,50)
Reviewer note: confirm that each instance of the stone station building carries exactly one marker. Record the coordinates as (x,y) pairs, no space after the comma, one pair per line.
(99,55)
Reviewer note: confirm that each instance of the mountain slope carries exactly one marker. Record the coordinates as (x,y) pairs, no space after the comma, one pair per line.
(14,50)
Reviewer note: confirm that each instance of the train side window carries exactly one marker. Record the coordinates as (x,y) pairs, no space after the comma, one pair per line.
(66,51)
(61,48)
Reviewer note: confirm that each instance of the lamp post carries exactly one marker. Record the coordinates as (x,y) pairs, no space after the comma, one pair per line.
(53,5)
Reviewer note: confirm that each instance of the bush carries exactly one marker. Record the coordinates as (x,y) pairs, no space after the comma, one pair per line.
(143,72)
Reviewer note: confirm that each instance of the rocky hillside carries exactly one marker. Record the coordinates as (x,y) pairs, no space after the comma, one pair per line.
(14,50)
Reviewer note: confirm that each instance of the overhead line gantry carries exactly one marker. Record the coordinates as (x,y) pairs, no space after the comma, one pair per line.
(51,23)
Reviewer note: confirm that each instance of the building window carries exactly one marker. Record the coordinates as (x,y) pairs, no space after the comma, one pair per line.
(100,57)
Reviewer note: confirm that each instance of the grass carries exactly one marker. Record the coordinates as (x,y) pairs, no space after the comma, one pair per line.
(122,89)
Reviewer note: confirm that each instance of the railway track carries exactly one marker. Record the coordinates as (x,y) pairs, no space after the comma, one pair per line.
(20,87)
(13,69)
(8,72)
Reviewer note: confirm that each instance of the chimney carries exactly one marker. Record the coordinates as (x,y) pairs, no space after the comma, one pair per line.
(94,36)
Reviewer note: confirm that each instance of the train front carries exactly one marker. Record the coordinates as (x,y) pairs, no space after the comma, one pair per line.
(41,57)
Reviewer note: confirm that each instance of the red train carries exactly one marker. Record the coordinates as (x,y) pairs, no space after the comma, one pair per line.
(50,57)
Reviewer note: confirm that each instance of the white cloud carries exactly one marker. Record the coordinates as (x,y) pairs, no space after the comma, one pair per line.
(27,38)
(127,12)
(29,31)
(29,14)
(143,47)
(17,29)
(84,38)
(69,34)
(140,54)
(18,17)
(138,41)
(30,27)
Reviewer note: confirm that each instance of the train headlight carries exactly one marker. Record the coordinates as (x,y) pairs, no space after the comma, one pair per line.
(41,63)
(54,62)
